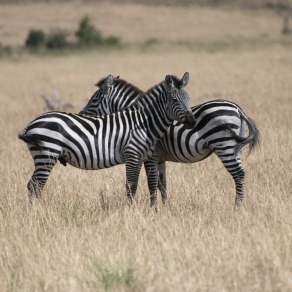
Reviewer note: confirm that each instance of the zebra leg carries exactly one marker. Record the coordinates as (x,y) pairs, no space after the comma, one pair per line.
(132,173)
(162,181)
(233,165)
(44,161)
(35,186)
(152,179)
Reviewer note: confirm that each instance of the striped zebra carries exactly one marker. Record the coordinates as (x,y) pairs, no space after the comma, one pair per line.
(92,143)
(220,128)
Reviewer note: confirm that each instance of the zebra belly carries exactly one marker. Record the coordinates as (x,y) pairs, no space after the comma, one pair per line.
(182,149)
(102,148)
(92,160)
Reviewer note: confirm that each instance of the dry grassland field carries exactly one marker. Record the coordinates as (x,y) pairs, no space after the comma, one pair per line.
(81,235)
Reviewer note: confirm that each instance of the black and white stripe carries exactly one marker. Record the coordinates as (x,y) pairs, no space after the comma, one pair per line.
(221,129)
(128,136)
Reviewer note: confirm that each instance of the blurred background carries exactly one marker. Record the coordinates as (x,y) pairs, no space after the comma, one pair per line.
(217,23)
(125,37)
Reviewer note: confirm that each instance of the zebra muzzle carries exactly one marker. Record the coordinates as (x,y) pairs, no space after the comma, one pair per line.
(190,121)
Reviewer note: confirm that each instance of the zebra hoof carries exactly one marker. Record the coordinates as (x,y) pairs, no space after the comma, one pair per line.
(239,203)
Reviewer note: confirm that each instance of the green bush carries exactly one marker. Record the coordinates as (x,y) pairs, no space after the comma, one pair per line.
(87,34)
(57,40)
(35,39)
(112,41)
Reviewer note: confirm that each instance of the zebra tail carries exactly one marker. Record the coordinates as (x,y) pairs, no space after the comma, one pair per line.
(30,139)
(253,139)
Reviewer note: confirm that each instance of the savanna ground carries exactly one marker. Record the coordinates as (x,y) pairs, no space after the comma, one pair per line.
(81,235)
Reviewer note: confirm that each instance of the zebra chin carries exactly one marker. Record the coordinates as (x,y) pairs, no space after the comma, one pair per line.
(189,121)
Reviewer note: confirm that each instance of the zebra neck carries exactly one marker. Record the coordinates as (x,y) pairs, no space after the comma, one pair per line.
(150,118)
(153,98)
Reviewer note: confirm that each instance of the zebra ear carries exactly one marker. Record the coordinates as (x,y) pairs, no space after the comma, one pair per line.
(108,83)
(169,82)
(109,80)
(185,80)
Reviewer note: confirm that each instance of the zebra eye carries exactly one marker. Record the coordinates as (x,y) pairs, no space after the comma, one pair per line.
(173,95)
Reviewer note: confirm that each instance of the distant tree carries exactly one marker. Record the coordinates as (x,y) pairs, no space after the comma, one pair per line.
(87,34)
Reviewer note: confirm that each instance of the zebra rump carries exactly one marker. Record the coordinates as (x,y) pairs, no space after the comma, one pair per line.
(30,139)
(252,140)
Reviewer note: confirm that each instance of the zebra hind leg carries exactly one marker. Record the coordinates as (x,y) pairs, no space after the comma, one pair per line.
(44,162)
(234,166)
(35,187)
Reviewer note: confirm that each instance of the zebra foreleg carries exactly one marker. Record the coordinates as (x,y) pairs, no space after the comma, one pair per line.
(162,181)
(132,175)
(152,179)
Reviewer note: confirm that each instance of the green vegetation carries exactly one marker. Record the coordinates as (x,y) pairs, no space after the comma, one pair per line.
(88,36)
(57,41)
(36,39)
(13,282)
(112,277)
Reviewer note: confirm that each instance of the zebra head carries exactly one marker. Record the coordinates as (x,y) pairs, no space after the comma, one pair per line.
(98,104)
(113,95)
(179,100)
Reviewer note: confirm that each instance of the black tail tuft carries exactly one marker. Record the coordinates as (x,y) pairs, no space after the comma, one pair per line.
(253,138)
(254,134)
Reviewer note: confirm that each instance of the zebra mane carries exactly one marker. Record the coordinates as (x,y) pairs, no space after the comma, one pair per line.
(100,82)
(118,81)
(177,82)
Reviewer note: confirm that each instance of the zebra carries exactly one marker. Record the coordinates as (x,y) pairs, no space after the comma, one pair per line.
(92,143)
(220,128)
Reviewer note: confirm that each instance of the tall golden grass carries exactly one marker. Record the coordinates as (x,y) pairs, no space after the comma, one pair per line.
(81,235)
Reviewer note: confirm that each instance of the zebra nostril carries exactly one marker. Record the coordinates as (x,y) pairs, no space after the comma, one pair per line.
(188,125)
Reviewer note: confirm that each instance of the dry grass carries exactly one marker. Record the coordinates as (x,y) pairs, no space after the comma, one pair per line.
(82,236)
